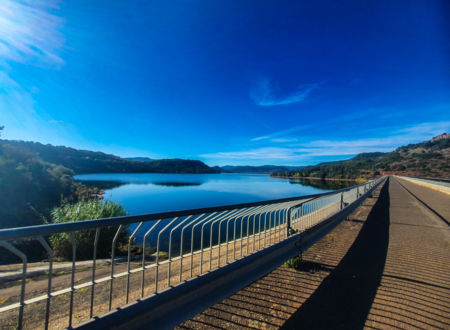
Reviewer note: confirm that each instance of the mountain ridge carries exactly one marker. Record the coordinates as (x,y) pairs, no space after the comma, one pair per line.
(85,161)
(425,159)
(261,169)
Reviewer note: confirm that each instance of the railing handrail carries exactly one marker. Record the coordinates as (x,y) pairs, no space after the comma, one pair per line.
(8,234)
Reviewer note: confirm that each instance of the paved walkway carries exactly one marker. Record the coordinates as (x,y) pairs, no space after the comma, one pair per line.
(415,284)
(388,268)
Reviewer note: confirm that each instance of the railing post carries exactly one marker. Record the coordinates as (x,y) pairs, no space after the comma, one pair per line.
(22,256)
(288,222)
(342,200)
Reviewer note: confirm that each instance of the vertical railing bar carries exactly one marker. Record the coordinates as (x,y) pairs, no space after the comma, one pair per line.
(248,231)
(254,233)
(241,216)
(227,219)
(23,257)
(50,275)
(157,252)
(234,239)
(94,262)
(225,216)
(211,239)
(248,215)
(219,215)
(192,238)
(272,211)
(265,231)
(242,212)
(280,221)
(241,236)
(258,213)
(278,227)
(170,247)
(259,230)
(128,259)
(113,251)
(181,244)
(309,215)
(289,220)
(220,221)
(143,255)
(72,280)
(270,226)
(269,211)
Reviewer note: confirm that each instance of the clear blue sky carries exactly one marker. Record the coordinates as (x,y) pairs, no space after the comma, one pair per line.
(227,82)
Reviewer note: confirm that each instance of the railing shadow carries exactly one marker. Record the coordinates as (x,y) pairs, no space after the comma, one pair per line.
(344,298)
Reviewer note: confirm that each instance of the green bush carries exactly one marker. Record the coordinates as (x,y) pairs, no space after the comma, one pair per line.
(85,210)
(295,262)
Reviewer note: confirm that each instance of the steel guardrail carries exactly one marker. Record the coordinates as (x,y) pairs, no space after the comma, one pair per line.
(186,244)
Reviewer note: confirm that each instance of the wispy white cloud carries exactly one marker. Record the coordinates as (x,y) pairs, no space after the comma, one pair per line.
(55,122)
(29,32)
(343,120)
(264,94)
(291,154)
(282,140)
(281,133)
(6,82)
(318,149)
(426,129)
(259,138)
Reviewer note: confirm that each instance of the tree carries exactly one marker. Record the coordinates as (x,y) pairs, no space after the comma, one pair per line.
(1,129)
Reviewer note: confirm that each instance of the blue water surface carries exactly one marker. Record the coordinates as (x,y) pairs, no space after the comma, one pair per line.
(151,192)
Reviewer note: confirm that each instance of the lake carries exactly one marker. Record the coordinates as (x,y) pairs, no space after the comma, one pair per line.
(144,193)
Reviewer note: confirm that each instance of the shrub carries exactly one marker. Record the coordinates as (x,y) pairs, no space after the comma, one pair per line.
(295,262)
(85,210)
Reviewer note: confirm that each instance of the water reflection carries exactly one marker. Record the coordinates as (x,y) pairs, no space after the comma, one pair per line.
(176,184)
(152,192)
(323,184)
(104,185)
(158,180)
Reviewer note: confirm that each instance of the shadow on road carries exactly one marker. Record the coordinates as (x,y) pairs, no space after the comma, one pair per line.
(344,298)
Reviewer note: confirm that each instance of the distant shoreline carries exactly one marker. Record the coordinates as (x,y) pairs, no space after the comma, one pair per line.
(311,178)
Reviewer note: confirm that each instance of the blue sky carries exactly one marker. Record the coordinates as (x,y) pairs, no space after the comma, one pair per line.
(227,82)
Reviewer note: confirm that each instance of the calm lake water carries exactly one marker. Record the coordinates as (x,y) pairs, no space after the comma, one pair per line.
(152,192)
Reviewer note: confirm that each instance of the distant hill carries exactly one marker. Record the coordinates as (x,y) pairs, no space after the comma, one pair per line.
(258,169)
(139,159)
(84,161)
(425,159)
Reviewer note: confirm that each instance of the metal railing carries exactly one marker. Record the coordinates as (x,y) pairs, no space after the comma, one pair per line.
(162,250)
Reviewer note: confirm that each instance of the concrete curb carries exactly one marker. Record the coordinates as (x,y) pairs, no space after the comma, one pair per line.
(440,188)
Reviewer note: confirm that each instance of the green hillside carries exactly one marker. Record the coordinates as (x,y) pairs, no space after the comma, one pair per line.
(30,187)
(426,159)
(84,161)
(34,177)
